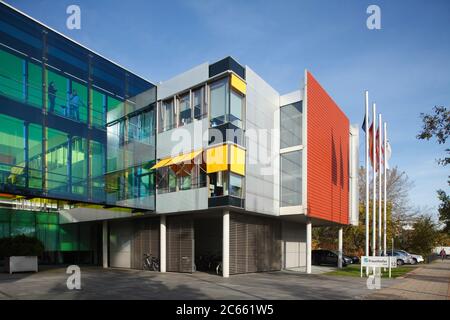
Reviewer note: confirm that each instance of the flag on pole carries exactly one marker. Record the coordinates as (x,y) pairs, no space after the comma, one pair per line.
(379,153)
(388,153)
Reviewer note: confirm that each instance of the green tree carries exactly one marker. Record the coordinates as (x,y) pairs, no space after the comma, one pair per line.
(437,125)
(444,210)
(424,236)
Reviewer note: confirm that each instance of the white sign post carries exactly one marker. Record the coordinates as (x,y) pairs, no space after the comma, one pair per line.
(378,262)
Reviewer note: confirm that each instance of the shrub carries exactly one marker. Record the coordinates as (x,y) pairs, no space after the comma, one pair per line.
(21,246)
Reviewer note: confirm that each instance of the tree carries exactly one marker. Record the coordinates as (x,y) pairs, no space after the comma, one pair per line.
(437,125)
(424,236)
(444,210)
(398,186)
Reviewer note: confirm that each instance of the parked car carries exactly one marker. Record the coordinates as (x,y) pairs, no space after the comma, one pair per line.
(355,259)
(401,257)
(417,258)
(328,257)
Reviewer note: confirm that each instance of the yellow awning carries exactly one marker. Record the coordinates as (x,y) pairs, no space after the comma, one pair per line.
(238,84)
(160,164)
(237,160)
(177,159)
(217,159)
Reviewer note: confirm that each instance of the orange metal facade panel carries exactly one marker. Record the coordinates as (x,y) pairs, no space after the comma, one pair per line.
(328,156)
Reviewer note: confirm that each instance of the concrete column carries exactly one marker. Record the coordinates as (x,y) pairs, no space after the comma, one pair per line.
(226,244)
(105,243)
(162,243)
(308,245)
(340,252)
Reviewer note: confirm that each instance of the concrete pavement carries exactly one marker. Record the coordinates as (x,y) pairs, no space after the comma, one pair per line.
(100,283)
(429,282)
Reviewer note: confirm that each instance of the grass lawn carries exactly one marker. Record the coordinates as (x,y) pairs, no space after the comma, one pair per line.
(354,270)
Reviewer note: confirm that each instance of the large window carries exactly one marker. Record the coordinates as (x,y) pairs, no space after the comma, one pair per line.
(236,107)
(236,187)
(166,115)
(184,107)
(218,102)
(198,103)
(291,125)
(291,179)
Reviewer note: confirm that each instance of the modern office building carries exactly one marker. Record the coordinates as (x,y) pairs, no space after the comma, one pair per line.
(104,166)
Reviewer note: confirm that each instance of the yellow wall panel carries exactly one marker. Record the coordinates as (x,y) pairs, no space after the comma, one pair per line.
(237,160)
(217,159)
(238,84)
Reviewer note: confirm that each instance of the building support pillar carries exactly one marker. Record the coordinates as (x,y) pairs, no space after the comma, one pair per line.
(226,244)
(105,243)
(162,244)
(340,247)
(308,245)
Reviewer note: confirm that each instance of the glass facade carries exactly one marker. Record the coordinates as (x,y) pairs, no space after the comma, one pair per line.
(291,179)
(291,125)
(73,125)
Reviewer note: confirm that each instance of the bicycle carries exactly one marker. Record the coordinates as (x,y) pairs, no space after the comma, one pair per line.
(150,263)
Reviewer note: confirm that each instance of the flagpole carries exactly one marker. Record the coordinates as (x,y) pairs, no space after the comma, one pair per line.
(366,125)
(379,183)
(385,183)
(374,180)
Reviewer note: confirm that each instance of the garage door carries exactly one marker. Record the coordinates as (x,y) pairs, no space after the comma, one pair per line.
(255,244)
(145,240)
(180,243)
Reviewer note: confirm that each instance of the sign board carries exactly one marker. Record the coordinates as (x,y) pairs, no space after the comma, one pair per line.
(393,262)
(375,261)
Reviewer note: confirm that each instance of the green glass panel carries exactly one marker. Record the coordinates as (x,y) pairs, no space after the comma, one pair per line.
(48,234)
(23,223)
(98,116)
(11,76)
(12,154)
(60,97)
(85,237)
(35,85)
(81,104)
(35,156)
(79,165)
(56,160)
(68,237)
(113,103)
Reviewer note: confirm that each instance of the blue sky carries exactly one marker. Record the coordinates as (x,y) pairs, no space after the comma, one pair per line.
(405,65)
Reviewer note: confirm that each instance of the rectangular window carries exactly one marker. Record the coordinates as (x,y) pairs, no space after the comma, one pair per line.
(12,155)
(236,185)
(219,102)
(198,103)
(291,179)
(35,85)
(78,106)
(57,94)
(98,109)
(184,107)
(236,107)
(11,76)
(291,125)
(166,116)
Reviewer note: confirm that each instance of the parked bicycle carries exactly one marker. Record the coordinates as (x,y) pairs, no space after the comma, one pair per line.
(150,263)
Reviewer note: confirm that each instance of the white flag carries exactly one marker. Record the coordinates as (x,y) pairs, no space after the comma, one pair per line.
(388,153)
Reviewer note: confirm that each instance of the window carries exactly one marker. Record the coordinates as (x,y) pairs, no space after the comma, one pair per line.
(198,103)
(219,102)
(166,180)
(291,125)
(184,105)
(236,185)
(291,179)
(166,116)
(218,185)
(236,106)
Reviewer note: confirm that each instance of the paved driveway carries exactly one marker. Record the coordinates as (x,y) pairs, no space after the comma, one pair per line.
(98,283)
(429,282)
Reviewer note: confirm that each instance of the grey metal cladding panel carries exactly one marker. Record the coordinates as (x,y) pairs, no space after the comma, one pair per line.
(120,234)
(261,185)
(187,138)
(186,200)
(183,81)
